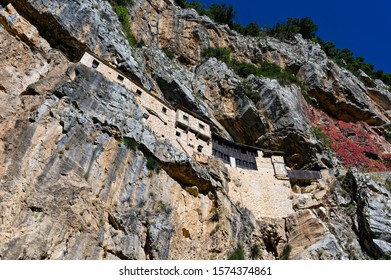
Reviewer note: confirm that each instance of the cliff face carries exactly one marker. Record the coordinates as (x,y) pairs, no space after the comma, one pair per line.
(82,175)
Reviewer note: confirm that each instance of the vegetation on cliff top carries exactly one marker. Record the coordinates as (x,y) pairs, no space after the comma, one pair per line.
(225,14)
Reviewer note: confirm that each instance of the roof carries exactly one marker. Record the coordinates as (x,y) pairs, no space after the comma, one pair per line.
(238,145)
(304,174)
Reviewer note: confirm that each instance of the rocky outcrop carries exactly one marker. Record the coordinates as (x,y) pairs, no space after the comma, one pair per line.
(289,126)
(382,96)
(338,92)
(217,85)
(77,26)
(373,213)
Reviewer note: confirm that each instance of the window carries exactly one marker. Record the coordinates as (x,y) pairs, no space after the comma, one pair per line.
(178,134)
(95,64)
(186,118)
(138,92)
(201,126)
(199,148)
(164,110)
(120,78)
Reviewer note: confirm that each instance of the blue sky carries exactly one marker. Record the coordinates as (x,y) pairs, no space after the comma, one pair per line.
(364,27)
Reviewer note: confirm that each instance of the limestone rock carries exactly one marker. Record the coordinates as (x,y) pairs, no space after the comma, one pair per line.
(192,190)
(81,25)
(339,92)
(325,249)
(304,229)
(373,213)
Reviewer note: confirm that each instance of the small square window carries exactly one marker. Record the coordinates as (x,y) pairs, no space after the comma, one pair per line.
(95,64)
(201,126)
(199,148)
(164,110)
(120,78)
(186,118)
(138,92)
(178,134)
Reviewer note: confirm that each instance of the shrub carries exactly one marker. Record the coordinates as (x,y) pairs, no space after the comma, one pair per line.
(286,252)
(124,18)
(387,132)
(325,139)
(222,54)
(283,76)
(387,185)
(255,251)
(160,206)
(181,3)
(244,69)
(153,164)
(168,52)
(130,143)
(238,254)
(246,88)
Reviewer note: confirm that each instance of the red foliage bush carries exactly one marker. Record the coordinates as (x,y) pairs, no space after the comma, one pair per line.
(355,144)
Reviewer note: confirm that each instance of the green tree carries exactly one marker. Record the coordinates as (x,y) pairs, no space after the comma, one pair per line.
(308,28)
(196,5)
(252,29)
(181,3)
(222,13)
(286,30)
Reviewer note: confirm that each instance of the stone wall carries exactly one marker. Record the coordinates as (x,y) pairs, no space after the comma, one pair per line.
(109,72)
(182,129)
